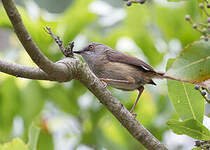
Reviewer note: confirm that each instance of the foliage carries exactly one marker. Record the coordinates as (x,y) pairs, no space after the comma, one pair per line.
(192,64)
(18,144)
(153,29)
(190,127)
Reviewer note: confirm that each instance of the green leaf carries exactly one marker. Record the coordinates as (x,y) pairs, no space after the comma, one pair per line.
(33,137)
(9,106)
(15,144)
(183,0)
(197,148)
(193,64)
(187,102)
(18,144)
(192,128)
(169,63)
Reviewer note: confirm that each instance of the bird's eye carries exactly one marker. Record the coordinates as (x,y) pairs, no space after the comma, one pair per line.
(90,47)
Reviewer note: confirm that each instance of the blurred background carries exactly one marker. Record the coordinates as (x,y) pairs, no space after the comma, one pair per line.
(71,118)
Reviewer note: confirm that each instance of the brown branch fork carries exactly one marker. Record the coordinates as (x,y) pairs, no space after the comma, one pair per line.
(67,69)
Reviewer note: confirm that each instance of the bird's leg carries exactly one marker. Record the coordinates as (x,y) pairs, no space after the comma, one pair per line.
(140,89)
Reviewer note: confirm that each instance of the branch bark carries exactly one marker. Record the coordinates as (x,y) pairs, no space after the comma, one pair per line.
(117,109)
(68,69)
(23,71)
(32,49)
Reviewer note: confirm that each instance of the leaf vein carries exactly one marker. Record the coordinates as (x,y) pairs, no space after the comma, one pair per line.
(189,129)
(196,62)
(189,101)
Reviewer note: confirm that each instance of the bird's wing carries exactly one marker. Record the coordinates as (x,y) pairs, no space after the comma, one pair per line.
(116,56)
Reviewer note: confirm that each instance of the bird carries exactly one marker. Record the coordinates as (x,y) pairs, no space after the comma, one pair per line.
(118,70)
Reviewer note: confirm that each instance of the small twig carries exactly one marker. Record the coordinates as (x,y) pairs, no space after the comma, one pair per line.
(207,100)
(206,12)
(195,26)
(203,91)
(138,1)
(205,145)
(206,1)
(200,27)
(202,24)
(67,51)
(129,2)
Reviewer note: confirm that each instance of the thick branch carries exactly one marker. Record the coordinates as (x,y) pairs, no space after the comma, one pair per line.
(113,105)
(23,71)
(42,61)
(118,110)
(69,68)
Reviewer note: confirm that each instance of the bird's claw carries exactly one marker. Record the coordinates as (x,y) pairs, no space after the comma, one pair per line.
(104,83)
(134,115)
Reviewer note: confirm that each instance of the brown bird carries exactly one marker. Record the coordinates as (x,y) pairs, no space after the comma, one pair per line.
(117,69)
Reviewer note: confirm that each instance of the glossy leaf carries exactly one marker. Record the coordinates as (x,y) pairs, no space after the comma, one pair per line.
(192,128)
(193,64)
(187,102)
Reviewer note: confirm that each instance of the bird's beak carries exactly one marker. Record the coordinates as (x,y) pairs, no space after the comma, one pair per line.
(79,51)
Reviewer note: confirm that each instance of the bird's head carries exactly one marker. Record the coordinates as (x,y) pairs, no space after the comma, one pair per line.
(92,51)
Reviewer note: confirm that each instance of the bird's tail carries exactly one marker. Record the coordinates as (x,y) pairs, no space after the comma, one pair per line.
(162,75)
(159,75)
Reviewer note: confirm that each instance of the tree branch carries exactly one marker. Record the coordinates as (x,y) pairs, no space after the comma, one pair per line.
(67,51)
(117,109)
(73,68)
(23,71)
(42,61)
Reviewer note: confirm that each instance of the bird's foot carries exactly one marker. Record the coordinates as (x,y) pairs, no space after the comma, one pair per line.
(104,83)
(134,115)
